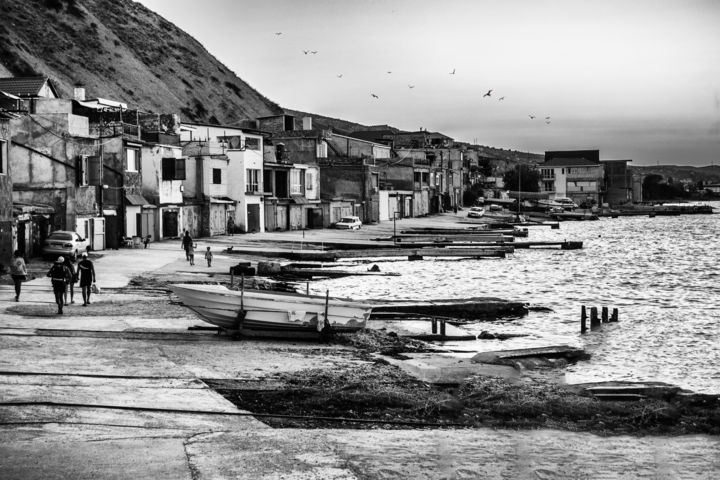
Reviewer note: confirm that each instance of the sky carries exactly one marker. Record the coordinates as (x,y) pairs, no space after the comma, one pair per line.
(636,79)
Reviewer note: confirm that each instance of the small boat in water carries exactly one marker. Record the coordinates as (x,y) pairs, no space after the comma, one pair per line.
(279,314)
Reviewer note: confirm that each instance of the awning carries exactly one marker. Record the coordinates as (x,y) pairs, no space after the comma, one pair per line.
(20,208)
(299,199)
(137,200)
(221,200)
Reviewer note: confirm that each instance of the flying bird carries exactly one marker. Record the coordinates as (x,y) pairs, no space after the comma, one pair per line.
(547,121)
(453,72)
(278,33)
(488,93)
(532,117)
(339,75)
(374,96)
(547,118)
(501,99)
(389,71)
(314,52)
(411,86)
(306,52)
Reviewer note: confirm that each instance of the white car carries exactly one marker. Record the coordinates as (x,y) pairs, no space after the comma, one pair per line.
(476,212)
(349,223)
(66,243)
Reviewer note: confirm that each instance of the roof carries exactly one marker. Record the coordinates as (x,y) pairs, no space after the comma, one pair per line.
(25,86)
(568,162)
(136,199)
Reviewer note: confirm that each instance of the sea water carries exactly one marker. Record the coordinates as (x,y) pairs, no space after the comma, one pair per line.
(662,274)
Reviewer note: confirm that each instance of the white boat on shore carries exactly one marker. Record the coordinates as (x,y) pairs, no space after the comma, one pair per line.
(254,312)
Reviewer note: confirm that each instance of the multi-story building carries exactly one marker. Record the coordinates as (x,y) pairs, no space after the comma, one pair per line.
(577,174)
(225,173)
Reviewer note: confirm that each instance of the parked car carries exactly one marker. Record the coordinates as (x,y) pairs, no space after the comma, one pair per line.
(349,223)
(66,243)
(476,212)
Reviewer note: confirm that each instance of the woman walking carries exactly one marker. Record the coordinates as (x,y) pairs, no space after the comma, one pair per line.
(86,272)
(60,276)
(18,271)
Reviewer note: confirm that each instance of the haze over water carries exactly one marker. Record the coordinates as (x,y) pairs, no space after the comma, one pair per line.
(661,273)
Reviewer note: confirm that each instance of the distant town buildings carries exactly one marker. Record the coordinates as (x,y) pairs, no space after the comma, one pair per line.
(115,174)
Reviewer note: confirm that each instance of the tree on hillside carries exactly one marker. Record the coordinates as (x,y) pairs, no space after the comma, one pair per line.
(529,179)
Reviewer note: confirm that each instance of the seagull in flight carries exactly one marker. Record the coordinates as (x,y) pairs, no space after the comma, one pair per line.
(374,96)
(547,118)
(488,93)
(339,75)
(501,99)
(314,52)
(306,52)
(532,117)
(389,71)
(411,86)
(278,33)
(547,121)
(453,72)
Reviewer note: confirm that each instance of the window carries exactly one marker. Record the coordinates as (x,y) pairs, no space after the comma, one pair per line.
(3,157)
(252,143)
(173,168)
(309,180)
(253,180)
(548,186)
(217,176)
(132,157)
(322,149)
(297,182)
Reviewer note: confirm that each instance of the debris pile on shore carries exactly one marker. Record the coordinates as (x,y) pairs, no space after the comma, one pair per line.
(390,344)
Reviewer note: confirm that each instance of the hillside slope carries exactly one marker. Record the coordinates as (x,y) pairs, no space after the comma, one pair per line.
(123,51)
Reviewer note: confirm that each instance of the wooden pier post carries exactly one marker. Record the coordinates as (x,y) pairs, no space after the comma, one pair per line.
(307,288)
(605,315)
(583,319)
(614,317)
(434,325)
(442,327)
(594,320)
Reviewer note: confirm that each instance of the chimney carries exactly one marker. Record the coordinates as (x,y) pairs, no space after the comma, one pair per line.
(79,92)
(307,123)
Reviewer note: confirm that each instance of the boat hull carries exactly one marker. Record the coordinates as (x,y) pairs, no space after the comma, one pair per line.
(278,312)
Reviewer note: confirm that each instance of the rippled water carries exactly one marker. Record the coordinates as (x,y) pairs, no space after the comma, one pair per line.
(661,273)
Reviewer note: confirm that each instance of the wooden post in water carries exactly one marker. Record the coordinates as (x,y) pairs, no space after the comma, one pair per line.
(442,327)
(232,276)
(434,324)
(307,288)
(583,319)
(605,315)
(594,320)
(614,317)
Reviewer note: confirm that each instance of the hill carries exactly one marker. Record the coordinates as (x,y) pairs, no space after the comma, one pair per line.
(121,50)
(681,173)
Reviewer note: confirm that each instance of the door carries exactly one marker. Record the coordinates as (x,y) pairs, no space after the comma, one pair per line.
(112,232)
(147,225)
(170,223)
(139,225)
(98,233)
(253,218)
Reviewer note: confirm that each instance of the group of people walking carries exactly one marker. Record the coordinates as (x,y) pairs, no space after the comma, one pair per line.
(64,274)
(189,246)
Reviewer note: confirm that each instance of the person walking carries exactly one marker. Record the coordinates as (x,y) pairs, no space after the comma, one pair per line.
(71,285)
(191,253)
(209,257)
(18,272)
(187,243)
(86,274)
(60,276)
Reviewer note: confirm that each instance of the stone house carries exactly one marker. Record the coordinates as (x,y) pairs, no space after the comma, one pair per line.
(576,174)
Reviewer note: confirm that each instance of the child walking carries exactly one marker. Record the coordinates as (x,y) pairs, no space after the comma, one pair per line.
(209,257)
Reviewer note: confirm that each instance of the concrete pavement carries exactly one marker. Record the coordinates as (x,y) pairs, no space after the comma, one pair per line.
(115,390)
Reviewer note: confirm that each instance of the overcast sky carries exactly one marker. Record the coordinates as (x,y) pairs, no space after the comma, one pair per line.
(637,79)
